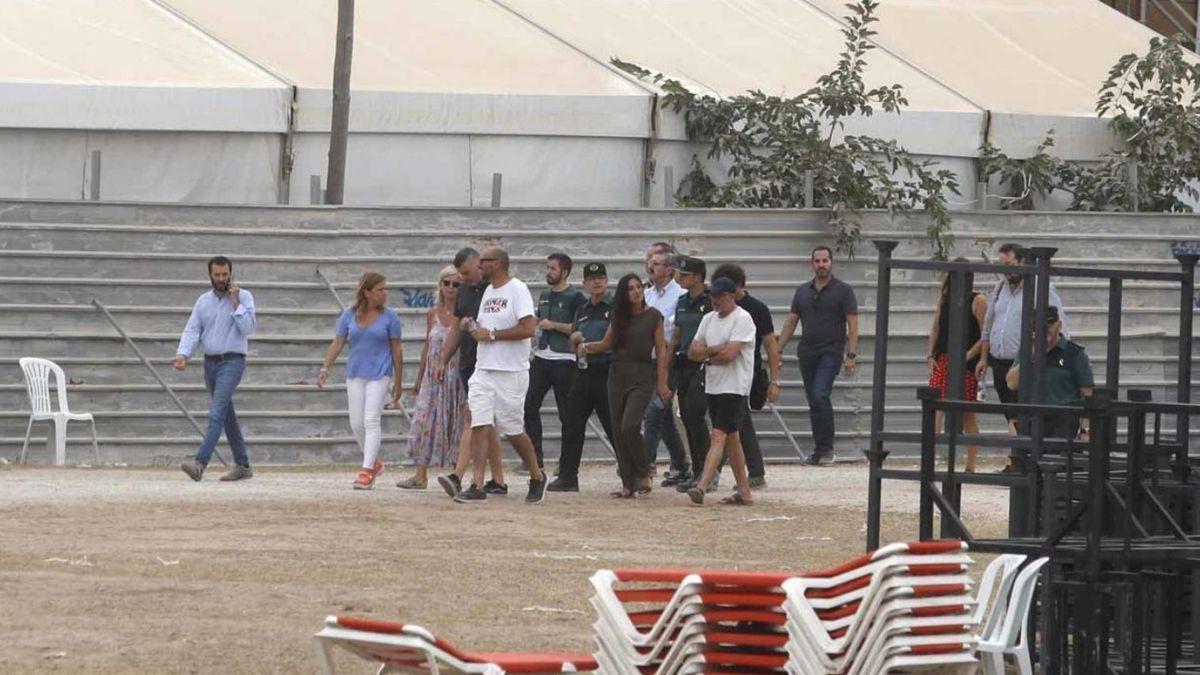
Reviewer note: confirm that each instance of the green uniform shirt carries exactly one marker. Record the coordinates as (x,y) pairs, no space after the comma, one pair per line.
(1067,369)
(559,307)
(688,313)
(592,321)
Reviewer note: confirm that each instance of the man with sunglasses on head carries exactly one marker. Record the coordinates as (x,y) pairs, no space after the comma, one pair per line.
(1068,379)
(466,310)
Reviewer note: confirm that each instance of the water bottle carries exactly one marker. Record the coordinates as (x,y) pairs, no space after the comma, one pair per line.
(581,361)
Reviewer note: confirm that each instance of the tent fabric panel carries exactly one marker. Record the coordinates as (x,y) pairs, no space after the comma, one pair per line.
(461,113)
(389,169)
(195,168)
(38,105)
(43,164)
(551,171)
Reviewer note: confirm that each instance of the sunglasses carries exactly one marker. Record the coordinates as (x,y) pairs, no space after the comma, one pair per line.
(451,284)
(487,260)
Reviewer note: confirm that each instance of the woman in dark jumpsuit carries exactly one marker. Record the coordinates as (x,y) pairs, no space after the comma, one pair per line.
(634,337)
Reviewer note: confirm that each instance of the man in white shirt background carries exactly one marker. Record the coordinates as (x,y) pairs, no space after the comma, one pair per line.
(662,293)
(496,395)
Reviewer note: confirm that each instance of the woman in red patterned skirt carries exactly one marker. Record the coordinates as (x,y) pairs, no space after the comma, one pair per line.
(939,361)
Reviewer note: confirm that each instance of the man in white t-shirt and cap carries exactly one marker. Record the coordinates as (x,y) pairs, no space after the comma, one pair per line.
(496,395)
(725,344)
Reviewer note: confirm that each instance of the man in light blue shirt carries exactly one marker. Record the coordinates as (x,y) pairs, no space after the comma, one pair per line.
(662,293)
(222,320)
(1001,331)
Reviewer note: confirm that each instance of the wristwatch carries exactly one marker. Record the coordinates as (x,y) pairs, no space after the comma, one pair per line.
(851,356)
(493,334)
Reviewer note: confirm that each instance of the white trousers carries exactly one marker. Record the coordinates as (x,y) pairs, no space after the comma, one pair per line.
(366,399)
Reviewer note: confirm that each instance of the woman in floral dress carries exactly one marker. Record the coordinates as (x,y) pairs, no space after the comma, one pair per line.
(441,406)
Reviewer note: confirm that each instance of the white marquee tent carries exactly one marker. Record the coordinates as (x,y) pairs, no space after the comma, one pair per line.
(229,101)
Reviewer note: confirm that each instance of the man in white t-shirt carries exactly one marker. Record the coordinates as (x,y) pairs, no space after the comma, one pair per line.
(496,391)
(725,343)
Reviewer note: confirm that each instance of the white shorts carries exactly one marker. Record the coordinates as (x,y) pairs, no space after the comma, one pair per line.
(497,397)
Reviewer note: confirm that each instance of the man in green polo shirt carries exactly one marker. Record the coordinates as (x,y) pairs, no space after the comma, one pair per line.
(1068,378)
(553,363)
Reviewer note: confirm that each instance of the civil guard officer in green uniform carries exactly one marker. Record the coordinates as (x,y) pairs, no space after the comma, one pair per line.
(1068,378)
(589,390)
(553,363)
(687,376)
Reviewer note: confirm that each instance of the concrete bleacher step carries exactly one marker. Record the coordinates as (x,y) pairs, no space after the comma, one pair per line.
(148,264)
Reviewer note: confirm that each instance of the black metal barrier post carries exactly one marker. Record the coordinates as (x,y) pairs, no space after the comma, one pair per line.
(1187,262)
(875,452)
(927,396)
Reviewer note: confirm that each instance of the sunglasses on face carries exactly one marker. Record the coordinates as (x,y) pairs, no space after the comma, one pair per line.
(487,260)
(451,284)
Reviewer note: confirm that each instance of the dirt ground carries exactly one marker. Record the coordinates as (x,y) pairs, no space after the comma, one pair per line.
(115,570)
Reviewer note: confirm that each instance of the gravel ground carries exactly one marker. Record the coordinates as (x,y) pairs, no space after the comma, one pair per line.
(116,570)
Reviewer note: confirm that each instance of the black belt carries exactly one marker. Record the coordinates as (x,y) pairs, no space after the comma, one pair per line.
(227,356)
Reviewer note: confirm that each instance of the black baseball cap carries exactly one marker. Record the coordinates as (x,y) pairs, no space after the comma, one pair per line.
(689,265)
(1051,314)
(594,269)
(723,285)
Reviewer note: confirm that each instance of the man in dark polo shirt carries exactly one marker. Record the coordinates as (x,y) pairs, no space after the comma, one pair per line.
(1068,377)
(764,334)
(553,363)
(827,312)
(589,389)
(686,376)
(459,340)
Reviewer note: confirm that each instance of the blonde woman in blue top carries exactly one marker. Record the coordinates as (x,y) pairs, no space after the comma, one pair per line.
(374,368)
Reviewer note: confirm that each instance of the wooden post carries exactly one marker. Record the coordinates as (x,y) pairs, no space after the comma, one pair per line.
(94,187)
(340,128)
(497,186)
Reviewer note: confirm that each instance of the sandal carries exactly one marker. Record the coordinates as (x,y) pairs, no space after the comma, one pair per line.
(643,490)
(736,500)
(621,494)
(411,483)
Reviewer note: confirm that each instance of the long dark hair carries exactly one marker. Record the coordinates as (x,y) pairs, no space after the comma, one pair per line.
(968,287)
(622,312)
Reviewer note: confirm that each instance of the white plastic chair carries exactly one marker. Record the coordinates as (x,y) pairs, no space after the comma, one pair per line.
(37,383)
(1011,638)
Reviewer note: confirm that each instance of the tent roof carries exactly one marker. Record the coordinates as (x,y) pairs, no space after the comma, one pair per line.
(452,66)
(126,64)
(1035,57)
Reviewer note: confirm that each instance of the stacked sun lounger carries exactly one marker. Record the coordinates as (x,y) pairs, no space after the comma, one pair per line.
(903,608)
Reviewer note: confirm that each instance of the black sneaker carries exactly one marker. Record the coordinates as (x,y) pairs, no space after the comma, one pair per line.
(561,484)
(451,483)
(472,495)
(537,490)
(684,486)
(493,488)
(814,460)
(675,478)
(194,470)
(758,482)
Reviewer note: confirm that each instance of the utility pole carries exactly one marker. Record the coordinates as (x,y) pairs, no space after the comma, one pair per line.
(335,182)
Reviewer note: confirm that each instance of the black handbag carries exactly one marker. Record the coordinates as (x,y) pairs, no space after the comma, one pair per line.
(759,387)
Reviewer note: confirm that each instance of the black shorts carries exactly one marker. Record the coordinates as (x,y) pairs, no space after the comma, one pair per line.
(464,376)
(728,411)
